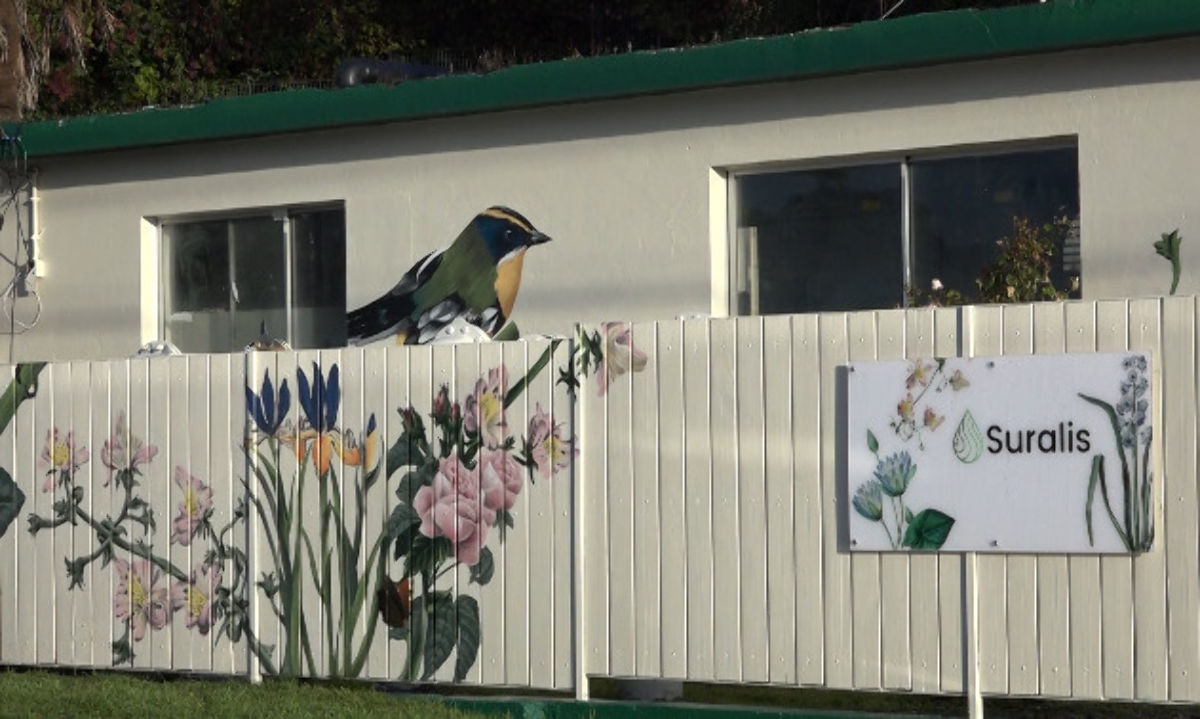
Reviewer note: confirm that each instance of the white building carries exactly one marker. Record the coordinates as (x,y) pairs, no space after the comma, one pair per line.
(823,170)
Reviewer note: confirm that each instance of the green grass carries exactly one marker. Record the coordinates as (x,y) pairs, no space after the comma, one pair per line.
(112,694)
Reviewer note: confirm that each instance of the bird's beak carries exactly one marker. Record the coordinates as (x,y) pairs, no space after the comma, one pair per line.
(537,238)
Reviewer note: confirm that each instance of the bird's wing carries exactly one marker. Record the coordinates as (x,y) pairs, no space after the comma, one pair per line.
(393,312)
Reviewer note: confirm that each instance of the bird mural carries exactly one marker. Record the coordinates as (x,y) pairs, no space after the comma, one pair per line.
(474,280)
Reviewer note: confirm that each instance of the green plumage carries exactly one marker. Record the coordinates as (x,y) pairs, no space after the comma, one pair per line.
(458,282)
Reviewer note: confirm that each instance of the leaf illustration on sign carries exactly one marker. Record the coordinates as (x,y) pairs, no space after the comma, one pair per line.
(968,440)
(928,530)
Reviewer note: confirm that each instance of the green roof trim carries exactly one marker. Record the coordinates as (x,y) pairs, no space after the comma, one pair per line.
(955,36)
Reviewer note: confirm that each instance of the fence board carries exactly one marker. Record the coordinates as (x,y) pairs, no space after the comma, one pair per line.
(751,500)
(919,340)
(668,369)
(651,547)
(1116,573)
(727,548)
(698,468)
(808,536)
(838,596)
(1053,577)
(779,487)
(866,629)
(1179,533)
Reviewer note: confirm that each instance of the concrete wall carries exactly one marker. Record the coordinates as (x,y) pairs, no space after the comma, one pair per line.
(631,190)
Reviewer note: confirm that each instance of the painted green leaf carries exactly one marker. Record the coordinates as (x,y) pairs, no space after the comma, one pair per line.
(441,635)
(468,636)
(11,500)
(482,571)
(416,639)
(872,443)
(426,554)
(968,440)
(908,516)
(928,530)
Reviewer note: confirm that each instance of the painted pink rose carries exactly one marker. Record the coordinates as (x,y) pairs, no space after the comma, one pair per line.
(620,356)
(195,596)
(500,479)
(548,450)
(136,599)
(483,410)
(59,454)
(194,508)
(124,451)
(451,507)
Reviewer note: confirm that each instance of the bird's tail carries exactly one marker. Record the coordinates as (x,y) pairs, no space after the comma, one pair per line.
(389,315)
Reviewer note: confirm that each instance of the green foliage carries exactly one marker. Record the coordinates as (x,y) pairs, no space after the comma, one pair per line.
(97,56)
(1168,248)
(1022,270)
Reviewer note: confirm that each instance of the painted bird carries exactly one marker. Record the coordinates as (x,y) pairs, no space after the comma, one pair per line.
(475,279)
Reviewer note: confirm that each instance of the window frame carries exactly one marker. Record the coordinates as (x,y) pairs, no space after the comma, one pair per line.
(904,159)
(157,255)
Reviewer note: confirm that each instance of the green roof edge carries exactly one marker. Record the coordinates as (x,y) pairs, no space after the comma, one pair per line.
(959,35)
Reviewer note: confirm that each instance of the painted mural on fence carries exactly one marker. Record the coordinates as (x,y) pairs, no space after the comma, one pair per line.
(454,474)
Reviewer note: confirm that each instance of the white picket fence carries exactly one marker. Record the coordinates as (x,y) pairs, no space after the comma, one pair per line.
(696,535)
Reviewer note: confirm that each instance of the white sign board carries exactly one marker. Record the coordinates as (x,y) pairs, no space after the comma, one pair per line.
(1043,453)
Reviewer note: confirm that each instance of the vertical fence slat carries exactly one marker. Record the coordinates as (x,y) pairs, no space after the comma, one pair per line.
(668,369)
(752,514)
(1053,580)
(12,547)
(622,590)
(1021,607)
(69,540)
(49,551)
(593,483)
(225,396)
(918,336)
(948,341)
(864,567)
(987,338)
(561,496)
(396,365)
(839,613)
(1116,572)
(517,573)
(99,588)
(1178,488)
(701,663)
(779,486)
(539,526)
(808,539)
(1086,627)
(725,508)
(650,545)
(895,572)
(1150,568)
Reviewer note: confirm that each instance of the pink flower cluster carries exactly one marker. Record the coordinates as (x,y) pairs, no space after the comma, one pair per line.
(461,503)
(138,601)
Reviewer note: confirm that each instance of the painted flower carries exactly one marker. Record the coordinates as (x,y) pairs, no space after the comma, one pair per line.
(921,373)
(548,450)
(124,452)
(500,479)
(267,410)
(355,453)
(905,408)
(136,600)
(320,403)
(451,507)
(620,356)
(483,410)
(194,508)
(196,596)
(932,419)
(60,455)
(868,500)
(958,381)
(894,473)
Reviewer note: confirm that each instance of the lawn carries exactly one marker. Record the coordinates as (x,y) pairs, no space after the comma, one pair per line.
(111,694)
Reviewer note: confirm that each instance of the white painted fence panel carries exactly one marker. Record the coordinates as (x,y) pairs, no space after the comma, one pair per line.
(762,421)
(459,514)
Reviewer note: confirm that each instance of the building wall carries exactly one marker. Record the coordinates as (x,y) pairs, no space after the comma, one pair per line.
(627,188)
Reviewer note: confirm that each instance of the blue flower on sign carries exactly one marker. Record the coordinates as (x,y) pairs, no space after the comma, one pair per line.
(894,473)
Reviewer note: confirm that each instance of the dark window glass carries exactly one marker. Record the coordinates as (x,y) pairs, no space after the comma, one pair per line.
(963,206)
(816,240)
(228,280)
